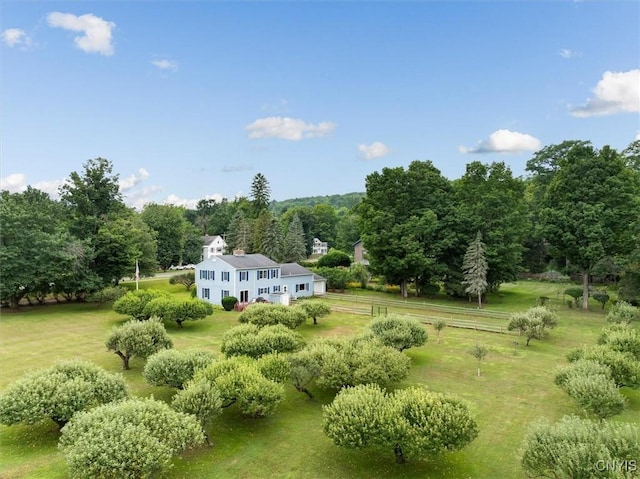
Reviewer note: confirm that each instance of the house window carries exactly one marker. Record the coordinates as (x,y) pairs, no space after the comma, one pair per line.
(244,296)
(263,274)
(244,276)
(302,287)
(276,289)
(206,274)
(225,276)
(274,273)
(262,291)
(205,293)
(225,293)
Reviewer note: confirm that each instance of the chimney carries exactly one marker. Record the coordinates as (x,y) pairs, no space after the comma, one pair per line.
(238,252)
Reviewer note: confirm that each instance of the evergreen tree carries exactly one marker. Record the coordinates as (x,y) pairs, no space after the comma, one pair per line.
(272,240)
(294,247)
(260,192)
(239,233)
(475,268)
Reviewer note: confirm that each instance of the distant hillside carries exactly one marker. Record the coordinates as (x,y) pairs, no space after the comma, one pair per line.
(347,200)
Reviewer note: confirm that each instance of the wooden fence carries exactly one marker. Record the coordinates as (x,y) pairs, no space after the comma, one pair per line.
(428,313)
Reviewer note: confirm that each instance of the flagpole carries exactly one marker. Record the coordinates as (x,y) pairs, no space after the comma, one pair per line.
(137,275)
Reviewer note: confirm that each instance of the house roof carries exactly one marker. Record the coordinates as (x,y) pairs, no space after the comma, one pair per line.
(207,240)
(248,261)
(293,269)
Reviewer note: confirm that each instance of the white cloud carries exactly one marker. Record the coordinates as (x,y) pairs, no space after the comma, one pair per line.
(52,187)
(288,128)
(131,181)
(96,37)
(374,150)
(17,182)
(137,199)
(566,53)
(191,204)
(617,92)
(505,141)
(16,37)
(165,65)
(13,183)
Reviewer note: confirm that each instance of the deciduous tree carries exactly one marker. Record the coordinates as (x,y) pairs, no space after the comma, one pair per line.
(179,310)
(586,208)
(315,309)
(590,385)
(534,323)
(402,223)
(411,422)
(174,367)
(170,225)
(268,314)
(138,339)
(253,341)
(59,392)
(397,331)
(130,439)
(240,382)
(185,279)
(133,303)
(575,447)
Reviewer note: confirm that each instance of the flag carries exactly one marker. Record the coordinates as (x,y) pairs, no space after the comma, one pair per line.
(137,275)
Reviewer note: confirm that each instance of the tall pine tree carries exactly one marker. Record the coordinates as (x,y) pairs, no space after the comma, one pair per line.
(294,246)
(475,268)
(239,234)
(272,240)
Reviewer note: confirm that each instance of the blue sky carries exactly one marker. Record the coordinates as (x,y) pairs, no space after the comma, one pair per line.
(190,100)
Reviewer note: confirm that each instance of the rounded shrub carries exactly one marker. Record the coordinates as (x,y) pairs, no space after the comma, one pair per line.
(229,302)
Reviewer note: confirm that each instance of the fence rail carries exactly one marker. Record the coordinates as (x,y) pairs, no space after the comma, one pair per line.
(418,305)
(376,308)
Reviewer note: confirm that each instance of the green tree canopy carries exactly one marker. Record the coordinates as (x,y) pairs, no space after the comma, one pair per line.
(240,382)
(397,331)
(490,200)
(58,392)
(131,439)
(402,223)
(174,367)
(170,225)
(268,314)
(138,339)
(179,310)
(587,207)
(411,422)
(575,447)
(254,341)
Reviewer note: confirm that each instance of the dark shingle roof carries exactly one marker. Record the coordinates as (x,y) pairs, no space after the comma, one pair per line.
(293,269)
(248,261)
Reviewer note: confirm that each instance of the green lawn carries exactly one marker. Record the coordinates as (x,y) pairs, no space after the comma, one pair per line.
(514,390)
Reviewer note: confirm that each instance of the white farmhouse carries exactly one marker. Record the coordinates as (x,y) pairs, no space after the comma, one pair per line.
(252,276)
(213,246)
(319,247)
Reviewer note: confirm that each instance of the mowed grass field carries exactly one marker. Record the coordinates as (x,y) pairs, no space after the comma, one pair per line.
(515,388)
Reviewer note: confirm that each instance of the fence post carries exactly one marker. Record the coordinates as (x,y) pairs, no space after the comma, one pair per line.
(372,310)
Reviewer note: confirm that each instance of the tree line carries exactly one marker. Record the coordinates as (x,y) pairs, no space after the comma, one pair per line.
(578,212)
